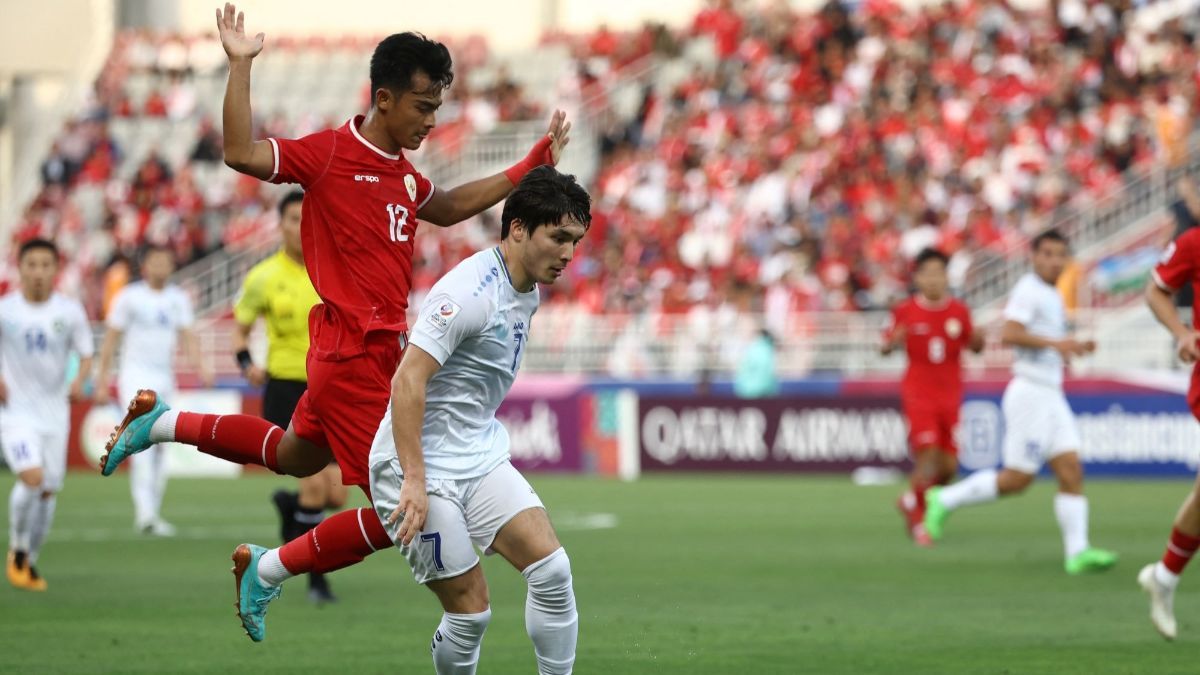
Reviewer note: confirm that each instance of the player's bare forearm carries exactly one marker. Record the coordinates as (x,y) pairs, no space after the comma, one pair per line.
(108,348)
(408,414)
(448,207)
(1162,306)
(241,337)
(85,370)
(242,153)
(1014,334)
(977,342)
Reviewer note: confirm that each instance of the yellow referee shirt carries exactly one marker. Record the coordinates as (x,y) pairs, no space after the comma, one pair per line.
(279,289)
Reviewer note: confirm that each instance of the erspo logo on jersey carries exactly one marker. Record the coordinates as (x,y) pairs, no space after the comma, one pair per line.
(363,178)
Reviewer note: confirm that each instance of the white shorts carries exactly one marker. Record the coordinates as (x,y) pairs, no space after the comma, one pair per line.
(1038,425)
(26,448)
(461,513)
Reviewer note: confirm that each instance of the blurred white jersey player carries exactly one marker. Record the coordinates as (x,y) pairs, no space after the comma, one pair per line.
(146,320)
(39,329)
(1039,424)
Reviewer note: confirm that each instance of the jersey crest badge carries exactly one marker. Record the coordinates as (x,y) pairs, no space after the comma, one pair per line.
(954,328)
(410,184)
(443,314)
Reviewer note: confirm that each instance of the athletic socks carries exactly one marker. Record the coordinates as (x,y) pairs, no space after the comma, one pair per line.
(456,642)
(271,570)
(345,539)
(550,616)
(1180,549)
(21,503)
(1072,514)
(978,488)
(42,518)
(242,439)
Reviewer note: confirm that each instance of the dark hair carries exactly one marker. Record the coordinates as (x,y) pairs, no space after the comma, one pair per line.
(292,197)
(1048,235)
(35,244)
(544,197)
(927,255)
(399,56)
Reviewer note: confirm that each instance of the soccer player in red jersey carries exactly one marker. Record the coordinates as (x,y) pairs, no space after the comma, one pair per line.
(933,328)
(362,201)
(1180,265)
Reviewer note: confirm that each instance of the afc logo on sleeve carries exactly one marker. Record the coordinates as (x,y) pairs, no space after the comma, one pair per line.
(443,313)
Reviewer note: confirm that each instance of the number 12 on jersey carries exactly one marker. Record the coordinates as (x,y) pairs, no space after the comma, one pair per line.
(398,214)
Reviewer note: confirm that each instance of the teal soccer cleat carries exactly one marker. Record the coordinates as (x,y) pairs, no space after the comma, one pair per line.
(252,596)
(133,434)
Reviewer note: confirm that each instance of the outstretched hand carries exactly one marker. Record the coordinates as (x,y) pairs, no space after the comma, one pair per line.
(560,135)
(231,25)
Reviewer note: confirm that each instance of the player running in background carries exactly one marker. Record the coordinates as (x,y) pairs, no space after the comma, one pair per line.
(1039,425)
(38,331)
(145,322)
(440,473)
(1180,266)
(279,290)
(362,200)
(933,328)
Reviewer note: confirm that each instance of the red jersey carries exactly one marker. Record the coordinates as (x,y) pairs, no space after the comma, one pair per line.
(357,225)
(1180,265)
(935,338)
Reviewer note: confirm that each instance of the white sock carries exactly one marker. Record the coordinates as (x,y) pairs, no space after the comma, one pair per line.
(550,616)
(977,488)
(43,517)
(1165,576)
(456,642)
(1072,514)
(142,479)
(21,502)
(271,571)
(163,430)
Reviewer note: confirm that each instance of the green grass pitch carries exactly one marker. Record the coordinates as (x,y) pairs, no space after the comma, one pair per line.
(721,574)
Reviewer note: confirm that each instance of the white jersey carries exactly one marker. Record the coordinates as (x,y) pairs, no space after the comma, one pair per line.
(475,324)
(151,321)
(36,341)
(1038,306)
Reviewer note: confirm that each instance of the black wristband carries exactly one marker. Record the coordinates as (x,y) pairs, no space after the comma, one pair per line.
(243,359)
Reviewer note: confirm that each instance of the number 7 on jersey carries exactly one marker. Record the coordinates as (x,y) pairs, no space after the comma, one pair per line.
(398,214)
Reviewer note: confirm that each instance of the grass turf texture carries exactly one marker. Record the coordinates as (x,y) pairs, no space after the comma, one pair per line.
(725,574)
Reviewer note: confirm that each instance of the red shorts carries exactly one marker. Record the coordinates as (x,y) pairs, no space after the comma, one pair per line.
(932,427)
(1193,395)
(345,402)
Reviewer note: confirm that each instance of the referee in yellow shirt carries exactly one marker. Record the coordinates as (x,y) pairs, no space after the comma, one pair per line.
(279,290)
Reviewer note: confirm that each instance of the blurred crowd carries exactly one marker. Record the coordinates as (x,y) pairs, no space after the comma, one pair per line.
(783,162)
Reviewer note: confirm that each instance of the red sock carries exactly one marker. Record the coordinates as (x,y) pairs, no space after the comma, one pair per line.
(242,439)
(338,541)
(1180,549)
(919,486)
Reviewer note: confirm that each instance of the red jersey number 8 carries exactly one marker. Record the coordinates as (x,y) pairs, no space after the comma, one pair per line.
(937,350)
(398,214)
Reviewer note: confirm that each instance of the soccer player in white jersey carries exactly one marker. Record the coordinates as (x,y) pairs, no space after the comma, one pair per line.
(146,320)
(1039,425)
(441,481)
(38,331)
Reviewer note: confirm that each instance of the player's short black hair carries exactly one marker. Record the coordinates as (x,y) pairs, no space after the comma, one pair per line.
(1048,235)
(544,197)
(35,244)
(401,55)
(292,197)
(927,255)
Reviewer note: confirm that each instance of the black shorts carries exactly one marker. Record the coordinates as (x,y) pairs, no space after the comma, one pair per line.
(279,400)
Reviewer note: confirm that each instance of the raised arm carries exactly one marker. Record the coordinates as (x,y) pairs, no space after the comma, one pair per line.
(408,415)
(452,206)
(242,153)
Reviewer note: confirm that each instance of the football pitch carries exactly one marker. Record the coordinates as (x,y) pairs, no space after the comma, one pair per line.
(713,574)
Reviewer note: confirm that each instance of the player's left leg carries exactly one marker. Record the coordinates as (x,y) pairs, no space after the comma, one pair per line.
(1071,511)
(528,541)
(1160,579)
(25,456)
(147,483)
(317,494)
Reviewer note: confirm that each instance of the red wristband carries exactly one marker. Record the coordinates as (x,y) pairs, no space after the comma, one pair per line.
(539,155)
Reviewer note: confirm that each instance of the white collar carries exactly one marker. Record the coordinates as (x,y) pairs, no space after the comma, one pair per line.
(353,124)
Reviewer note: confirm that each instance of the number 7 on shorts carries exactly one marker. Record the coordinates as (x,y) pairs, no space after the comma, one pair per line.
(436,538)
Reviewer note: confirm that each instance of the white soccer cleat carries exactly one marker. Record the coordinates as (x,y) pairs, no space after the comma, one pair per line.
(1162,602)
(156,528)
